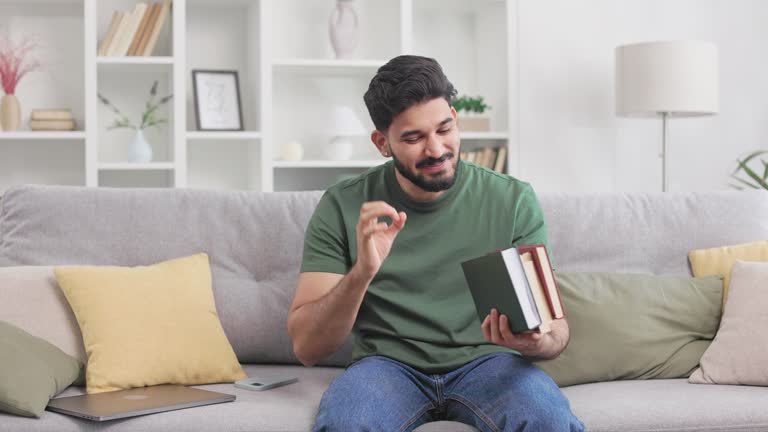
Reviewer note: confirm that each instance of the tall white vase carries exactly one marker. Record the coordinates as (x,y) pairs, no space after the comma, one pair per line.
(344,29)
(139,151)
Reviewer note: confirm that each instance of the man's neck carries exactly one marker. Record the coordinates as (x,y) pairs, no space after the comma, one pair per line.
(414,192)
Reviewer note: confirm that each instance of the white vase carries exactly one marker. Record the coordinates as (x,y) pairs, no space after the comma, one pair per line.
(139,151)
(344,28)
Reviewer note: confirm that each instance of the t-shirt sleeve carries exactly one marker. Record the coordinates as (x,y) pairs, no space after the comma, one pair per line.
(325,241)
(530,227)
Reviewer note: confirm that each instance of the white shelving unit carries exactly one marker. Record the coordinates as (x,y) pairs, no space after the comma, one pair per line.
(288,79)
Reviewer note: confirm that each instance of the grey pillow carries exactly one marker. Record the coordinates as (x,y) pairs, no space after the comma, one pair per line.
(634,326)
(32,371)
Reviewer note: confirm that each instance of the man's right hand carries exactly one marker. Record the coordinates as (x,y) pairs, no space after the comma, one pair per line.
(374,239)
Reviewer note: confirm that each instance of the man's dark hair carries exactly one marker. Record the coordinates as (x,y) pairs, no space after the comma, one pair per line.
(405,81)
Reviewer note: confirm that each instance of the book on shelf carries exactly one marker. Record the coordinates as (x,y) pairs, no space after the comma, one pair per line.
(162,14)
(51,114)
(501,160)
(153,11)
(135,32)
(490,157)
(52,125)
(140,30)
(117,17)
(126,31)
(508,280)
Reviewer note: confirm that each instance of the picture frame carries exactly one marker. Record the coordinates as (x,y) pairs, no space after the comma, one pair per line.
(217,100)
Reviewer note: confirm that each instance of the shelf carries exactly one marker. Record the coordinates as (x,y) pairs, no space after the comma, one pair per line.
(328,67)
(130,166)
(484,135)
(328,164)
(42,135)
(457,6)
(152,64)
(135,60)
(223,135)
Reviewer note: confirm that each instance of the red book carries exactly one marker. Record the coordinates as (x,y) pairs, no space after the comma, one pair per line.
(546,276)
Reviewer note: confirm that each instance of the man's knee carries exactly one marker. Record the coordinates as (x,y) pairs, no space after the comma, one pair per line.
(545,408)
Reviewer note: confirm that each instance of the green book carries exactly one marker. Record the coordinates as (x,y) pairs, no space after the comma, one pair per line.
(498,280)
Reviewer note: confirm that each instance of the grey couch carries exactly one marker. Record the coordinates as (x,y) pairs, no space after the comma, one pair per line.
(254,242)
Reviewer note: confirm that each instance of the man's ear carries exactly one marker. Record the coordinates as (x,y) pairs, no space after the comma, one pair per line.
(379,139)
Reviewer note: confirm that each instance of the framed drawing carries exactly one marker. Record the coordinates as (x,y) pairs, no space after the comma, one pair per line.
(217,100)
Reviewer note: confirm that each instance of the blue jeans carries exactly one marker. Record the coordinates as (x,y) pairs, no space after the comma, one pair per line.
(496,392)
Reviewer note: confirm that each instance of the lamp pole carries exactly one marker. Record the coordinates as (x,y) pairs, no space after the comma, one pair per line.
(664,116)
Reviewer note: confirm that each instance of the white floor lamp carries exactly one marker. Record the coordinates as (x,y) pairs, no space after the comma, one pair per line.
(667,79)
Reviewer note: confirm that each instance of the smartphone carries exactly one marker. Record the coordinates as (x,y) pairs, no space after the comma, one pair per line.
(265,382)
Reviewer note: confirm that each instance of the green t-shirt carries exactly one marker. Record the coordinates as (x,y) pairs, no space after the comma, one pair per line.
(418,308)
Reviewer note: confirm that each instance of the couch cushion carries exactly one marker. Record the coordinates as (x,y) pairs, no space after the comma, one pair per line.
(33,301)
(738,354)
(669,405)
(648,232)
(32,371)
(634,326)
(653,405)
(149,325)
(719,260)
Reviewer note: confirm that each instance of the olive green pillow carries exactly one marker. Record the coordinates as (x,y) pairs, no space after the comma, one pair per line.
(32,371)
(634,326)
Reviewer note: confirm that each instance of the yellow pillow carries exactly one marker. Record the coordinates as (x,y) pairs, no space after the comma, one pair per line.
(149,325)
(719,260)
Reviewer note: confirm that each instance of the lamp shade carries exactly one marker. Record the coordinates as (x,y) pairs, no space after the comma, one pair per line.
(680,78)
(344,122)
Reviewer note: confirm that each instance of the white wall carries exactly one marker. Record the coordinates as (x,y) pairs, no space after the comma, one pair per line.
(569,136)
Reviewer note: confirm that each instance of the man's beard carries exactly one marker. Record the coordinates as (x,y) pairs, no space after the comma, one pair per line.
(430,185)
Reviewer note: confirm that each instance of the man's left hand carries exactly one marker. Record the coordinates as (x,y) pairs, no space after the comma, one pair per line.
(531,344)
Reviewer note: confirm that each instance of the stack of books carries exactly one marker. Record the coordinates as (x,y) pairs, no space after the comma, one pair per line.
(518,282)
(51,120)
(494,158)
(135,32)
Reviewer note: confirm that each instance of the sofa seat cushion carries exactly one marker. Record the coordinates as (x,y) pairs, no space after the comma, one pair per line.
(650,405)
(669,405)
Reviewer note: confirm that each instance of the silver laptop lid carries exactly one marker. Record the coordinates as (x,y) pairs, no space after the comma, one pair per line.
(133,402)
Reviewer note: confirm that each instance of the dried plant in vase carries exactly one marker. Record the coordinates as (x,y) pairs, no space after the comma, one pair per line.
(15,64)
(139,151)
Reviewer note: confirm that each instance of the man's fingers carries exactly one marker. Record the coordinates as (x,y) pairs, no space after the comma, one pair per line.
(374,228)
(485,327)
(504,329)
(400,223)
(495,336)
(377,209)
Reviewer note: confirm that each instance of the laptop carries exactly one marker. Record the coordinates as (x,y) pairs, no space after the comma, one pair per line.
(134,402)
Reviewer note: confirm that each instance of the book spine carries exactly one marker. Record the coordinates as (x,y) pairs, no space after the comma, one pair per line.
(553,291)
(50,115)
(62,125)
(157,28)
(154,12)
(140,30)
(553,300)
(104,48)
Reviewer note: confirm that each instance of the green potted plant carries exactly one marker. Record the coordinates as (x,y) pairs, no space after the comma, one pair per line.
(757,181)
(471,111)
(139,151)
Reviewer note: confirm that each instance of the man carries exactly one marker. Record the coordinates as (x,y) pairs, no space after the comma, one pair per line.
(382,256)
